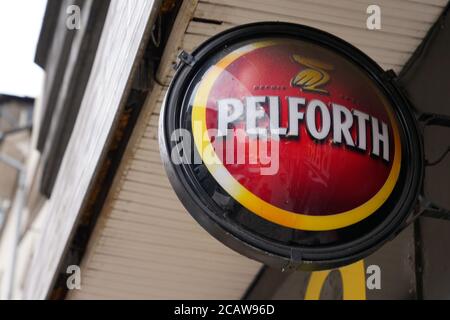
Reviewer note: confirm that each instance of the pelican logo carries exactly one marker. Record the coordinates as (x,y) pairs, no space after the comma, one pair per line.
(312,78)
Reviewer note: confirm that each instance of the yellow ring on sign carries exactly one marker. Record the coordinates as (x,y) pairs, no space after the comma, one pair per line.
(251,201)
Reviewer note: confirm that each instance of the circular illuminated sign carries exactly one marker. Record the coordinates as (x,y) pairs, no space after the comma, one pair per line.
(291,146)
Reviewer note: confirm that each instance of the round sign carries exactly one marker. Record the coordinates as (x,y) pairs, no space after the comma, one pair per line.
(291,146)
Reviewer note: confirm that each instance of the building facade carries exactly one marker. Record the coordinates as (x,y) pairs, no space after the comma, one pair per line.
(16,117)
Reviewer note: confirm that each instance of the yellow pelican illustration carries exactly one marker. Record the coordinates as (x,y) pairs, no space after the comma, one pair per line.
(312,78)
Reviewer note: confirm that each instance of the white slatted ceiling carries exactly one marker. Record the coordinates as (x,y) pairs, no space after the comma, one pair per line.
(404,23)
(146,245)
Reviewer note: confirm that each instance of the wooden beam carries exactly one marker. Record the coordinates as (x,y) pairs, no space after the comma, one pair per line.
(174,42)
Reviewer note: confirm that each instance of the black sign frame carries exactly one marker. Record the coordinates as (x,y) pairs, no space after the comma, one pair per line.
(195,199)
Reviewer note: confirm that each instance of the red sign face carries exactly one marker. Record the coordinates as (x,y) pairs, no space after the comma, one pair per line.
(297,134)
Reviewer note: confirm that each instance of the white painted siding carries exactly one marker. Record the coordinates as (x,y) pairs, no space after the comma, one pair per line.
(124,29)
